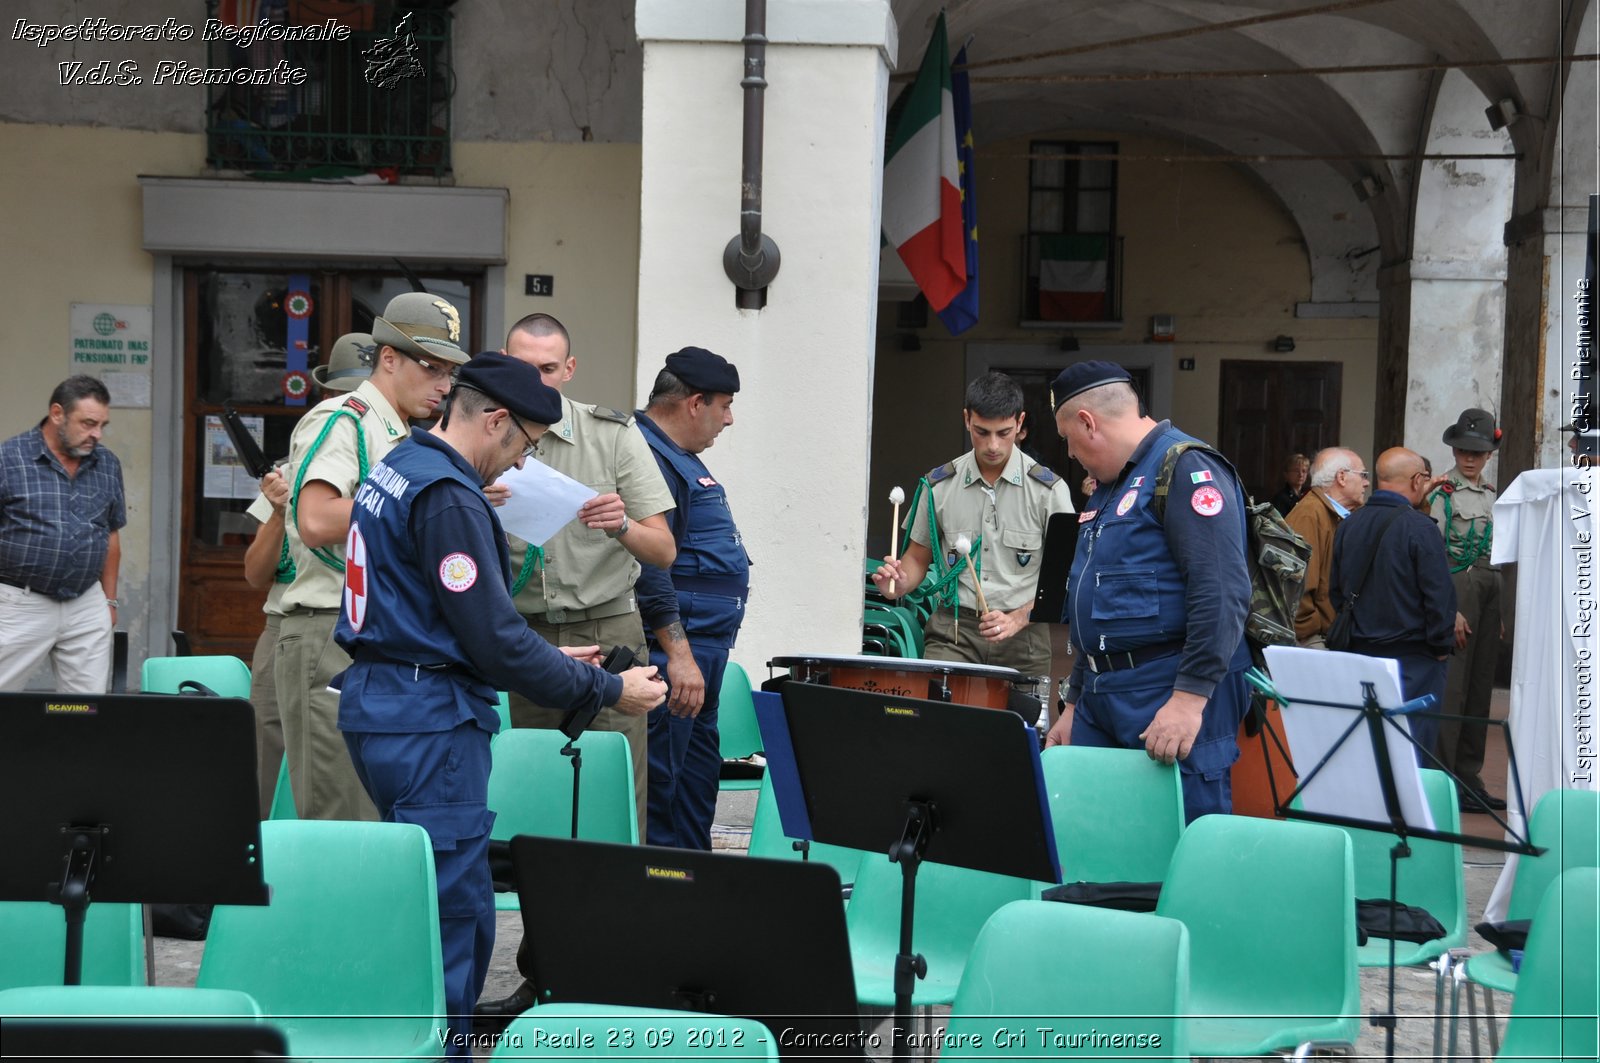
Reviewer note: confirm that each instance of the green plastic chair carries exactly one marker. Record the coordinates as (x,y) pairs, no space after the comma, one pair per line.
(1556,1013)
(738,734)
(1117,813)
(1566,823)
(897,625)
(283,795)
(34,937)
(345,960)
(1271,912)
(89,1001)
(228,676)
(503,707)
(1069,969)
(767,839)
(600,1031)
(952,905)
(530,790)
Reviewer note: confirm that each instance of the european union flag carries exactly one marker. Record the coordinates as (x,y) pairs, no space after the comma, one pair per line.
(962,313)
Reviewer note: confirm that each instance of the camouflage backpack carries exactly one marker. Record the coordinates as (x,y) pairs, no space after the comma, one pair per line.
(1275,553)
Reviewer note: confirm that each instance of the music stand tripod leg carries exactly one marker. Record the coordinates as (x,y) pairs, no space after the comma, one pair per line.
(571,750)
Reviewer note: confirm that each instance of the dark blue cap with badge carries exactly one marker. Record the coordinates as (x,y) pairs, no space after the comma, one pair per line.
(1076,379)
(704,371)
(516,385)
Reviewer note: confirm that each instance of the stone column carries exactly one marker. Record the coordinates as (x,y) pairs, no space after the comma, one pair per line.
(795,460)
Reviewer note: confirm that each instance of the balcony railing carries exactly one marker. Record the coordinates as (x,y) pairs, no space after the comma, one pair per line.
(375,99)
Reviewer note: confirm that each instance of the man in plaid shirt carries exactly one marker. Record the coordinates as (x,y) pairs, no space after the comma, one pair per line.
(61,506)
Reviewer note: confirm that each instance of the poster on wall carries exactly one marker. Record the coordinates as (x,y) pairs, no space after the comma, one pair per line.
(225,475)
(113,343)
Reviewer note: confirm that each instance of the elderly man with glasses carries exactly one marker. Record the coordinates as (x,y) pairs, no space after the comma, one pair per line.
(1390,558)
(1338,487)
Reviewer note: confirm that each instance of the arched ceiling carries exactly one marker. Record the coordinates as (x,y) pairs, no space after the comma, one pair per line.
(1346,119)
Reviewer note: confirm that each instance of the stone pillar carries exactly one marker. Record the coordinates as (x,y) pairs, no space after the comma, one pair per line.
(795,460)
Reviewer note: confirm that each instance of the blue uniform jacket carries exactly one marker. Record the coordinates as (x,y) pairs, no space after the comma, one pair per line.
(1408,603)
(1138,581)
(710,580)
(427,583)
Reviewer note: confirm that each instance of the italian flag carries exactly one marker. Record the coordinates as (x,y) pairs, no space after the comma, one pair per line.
(922,182)
(1072,278)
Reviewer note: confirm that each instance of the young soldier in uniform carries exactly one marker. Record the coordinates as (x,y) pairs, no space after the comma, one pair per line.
(1002,500)
(578,589)
(1157,603)
(332,449)
(433,634)
(1464,510)
(702,599)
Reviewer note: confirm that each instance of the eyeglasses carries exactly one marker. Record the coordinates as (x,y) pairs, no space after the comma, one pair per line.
(1363,473)
(437,371)
(527,452)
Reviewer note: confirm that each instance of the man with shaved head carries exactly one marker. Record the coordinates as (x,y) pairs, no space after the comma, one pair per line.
(1389,559)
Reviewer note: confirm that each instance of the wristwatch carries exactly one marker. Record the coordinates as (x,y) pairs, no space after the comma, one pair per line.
(621,528)
(113,603)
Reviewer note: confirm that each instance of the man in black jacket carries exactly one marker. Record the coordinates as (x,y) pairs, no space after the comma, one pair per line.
(1405,605)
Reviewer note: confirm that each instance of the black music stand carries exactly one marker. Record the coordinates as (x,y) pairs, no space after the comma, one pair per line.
(577,721)
(920,780)
(138,798)
(790,966)
(1378,728)
(201,1039)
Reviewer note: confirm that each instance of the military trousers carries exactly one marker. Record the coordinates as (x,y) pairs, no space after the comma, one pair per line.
(1470,681)
(324,780)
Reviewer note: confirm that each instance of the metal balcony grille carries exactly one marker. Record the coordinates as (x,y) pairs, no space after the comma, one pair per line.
(377,100)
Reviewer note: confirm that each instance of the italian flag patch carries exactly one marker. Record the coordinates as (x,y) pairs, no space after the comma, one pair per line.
(1201,477)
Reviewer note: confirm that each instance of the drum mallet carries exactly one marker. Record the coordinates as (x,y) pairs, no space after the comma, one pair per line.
(896,496)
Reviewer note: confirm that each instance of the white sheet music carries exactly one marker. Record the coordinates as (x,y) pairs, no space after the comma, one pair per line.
(542,501)
(1348,785)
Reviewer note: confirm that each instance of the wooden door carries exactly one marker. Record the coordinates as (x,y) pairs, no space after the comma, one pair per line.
(1271,410)
(236,343)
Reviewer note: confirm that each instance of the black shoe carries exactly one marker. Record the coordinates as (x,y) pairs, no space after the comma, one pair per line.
(1480,801)
(508,1007)
(1491,801)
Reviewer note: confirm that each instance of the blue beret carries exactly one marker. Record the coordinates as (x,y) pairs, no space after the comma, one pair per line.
(1076,379)
(704,371)
(515,385)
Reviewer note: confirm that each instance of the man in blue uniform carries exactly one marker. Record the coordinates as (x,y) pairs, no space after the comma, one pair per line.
(428,621)
(1157,603)
(700,605)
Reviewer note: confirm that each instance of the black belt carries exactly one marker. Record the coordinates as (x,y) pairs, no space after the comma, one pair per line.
(366,656)
(23,585)
(1122,660)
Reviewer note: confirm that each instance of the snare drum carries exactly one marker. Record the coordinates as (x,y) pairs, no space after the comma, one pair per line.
(981,685)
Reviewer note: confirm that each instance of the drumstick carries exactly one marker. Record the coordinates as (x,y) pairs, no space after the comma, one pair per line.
(964,547)
(896,496)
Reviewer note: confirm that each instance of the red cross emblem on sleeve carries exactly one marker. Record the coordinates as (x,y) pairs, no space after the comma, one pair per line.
(355,577)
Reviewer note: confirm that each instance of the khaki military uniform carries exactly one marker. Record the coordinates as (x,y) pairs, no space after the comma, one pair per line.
(1011,516)
(263,682)
(584,594)
(1470,682)
(320,771)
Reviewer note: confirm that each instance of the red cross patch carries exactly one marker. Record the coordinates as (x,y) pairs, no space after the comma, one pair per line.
(1207,501)
(355,577)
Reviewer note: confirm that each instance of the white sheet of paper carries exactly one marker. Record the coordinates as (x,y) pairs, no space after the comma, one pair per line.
(542,501)
(1348,784)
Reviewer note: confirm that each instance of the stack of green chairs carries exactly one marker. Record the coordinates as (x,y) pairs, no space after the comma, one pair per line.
(345,960)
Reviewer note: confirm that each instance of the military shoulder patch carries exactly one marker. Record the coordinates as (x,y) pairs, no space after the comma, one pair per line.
(943,472)
(356,403)
(606,413)
(1044,475)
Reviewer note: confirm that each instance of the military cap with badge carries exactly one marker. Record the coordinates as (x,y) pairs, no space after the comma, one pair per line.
(422,326)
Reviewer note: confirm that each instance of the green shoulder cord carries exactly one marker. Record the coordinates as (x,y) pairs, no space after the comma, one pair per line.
(532,561)
(285,573)
(322,553)
(1463,549)
(943,590)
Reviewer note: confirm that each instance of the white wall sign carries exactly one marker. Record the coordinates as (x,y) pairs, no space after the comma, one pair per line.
(113,343)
